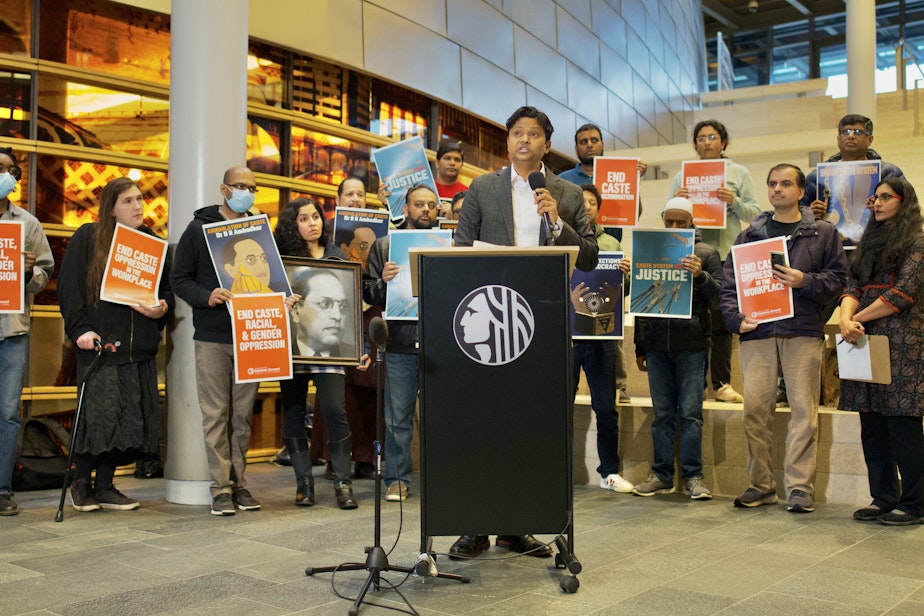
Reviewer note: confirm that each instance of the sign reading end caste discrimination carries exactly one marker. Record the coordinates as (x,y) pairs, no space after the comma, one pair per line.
(12,289)
(760,295)
(262,344)
(617,180)
(133,268)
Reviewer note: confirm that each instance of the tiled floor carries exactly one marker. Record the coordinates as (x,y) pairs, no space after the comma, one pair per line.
(664,555)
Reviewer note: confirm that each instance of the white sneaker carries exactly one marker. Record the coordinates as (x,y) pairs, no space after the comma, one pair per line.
(616,483)
(725,393)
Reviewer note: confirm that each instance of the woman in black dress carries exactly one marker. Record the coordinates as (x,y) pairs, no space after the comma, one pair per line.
(885,296)
(120,418)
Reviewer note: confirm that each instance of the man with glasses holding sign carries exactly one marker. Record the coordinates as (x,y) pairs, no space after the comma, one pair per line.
(854,136)
(227,407)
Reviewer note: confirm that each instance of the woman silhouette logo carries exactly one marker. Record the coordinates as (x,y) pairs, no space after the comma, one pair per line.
(493,325)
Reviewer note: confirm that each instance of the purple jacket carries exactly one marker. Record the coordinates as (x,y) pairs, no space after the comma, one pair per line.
(815,249)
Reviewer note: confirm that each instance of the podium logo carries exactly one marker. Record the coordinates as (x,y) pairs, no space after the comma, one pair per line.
(493,325)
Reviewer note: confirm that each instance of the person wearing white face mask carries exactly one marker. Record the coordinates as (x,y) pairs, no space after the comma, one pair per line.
(14,328)
(227,407)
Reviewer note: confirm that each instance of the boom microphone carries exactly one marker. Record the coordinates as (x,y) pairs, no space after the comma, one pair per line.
(536,181)
(378,331)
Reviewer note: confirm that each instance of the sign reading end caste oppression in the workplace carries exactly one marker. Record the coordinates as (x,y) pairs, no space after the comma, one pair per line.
(702,178)
(133,268)
(12,289)
(760,296)
(617,180)
(260,325)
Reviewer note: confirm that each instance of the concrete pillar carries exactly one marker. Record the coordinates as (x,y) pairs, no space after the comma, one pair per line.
(861,57)
(208,116)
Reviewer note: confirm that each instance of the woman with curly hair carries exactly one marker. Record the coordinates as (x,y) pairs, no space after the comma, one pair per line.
(120,418)
(885,296)
(300,233)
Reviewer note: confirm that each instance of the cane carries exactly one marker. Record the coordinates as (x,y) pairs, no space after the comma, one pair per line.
(70,450)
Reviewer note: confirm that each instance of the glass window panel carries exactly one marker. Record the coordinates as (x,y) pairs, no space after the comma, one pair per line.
(266,75)
(399,113)
(67,191)
(263,153)
(790,63)
(14,104)
(79,114)
(107,36)
(267,201)
(16,27)
(327,159)
(483,145)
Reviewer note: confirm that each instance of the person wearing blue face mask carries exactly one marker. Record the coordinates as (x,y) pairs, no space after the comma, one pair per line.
(227,407)
(14,328)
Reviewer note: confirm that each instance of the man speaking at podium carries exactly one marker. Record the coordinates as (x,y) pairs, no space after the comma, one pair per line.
(524,204)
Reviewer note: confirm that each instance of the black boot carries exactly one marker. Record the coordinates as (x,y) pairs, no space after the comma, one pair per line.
(340,459)
(300,457)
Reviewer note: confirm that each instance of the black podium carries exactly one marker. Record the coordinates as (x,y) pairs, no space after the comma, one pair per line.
(496,395)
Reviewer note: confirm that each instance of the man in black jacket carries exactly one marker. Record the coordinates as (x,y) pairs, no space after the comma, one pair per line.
(673,352)
(402,371)
(227,407)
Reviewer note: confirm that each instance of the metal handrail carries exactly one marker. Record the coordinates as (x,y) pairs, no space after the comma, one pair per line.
(917,64)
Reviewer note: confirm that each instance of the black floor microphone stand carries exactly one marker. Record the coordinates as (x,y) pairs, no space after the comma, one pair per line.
(376,558)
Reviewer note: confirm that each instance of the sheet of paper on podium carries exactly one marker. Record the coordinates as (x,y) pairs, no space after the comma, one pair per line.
(867,360)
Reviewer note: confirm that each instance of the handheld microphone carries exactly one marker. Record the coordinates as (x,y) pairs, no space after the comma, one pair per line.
(378,331)
(536,181)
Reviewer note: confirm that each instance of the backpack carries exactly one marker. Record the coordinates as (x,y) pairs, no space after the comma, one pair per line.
(42,460)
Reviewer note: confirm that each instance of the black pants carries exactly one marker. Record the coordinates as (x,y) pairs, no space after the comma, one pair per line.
(330,399)
(893,444)
(720,355)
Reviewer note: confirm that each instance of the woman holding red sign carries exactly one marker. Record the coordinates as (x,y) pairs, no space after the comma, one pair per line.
(300,233)
(710,140)
(120,416)
(885,296)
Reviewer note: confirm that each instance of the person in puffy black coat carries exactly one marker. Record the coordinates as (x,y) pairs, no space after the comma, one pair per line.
(120,417)
(674,353)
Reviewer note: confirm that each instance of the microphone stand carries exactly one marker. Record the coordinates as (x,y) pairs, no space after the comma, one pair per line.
(376,558)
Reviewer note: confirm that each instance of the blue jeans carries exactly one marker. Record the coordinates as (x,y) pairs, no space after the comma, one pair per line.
(676,383)
(598,358)
(402,373)
(14,353)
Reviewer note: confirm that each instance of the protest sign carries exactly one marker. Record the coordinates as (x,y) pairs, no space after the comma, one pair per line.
(133,268)
(260,326)
(617,179)
(702,178)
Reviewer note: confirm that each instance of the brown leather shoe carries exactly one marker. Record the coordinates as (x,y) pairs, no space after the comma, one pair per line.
(469,546)
(524,544)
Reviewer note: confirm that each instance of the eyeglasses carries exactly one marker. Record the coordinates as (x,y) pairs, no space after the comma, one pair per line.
(884,197)
(239,186)
(251,260)
(846,132)
(705,138)
(326,304)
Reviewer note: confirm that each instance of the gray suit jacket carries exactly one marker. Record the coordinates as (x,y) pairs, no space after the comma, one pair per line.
(487,215)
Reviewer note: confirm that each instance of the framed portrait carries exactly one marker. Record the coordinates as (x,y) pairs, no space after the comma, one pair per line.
(326,323)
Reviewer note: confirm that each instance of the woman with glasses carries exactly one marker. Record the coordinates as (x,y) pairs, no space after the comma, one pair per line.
(885,296)
(319,307)
(710,140)
(120,416)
